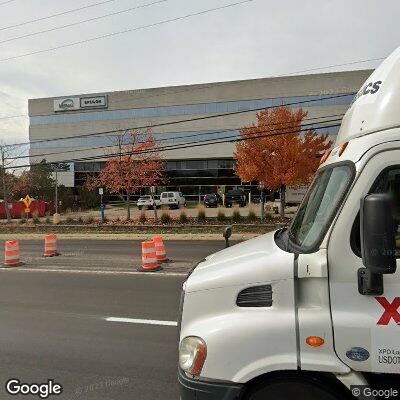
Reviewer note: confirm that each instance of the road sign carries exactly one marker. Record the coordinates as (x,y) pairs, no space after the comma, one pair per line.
(101,191)
(153,190)
(27,210)
(27,201)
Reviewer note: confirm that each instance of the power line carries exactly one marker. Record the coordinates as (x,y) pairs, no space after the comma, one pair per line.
(6,2)
(331,66)
(145,97)
(161,124)
(13,116)
(158,140)
(207,86)
(56,15)
(81,22)
(112,34)
(175,147)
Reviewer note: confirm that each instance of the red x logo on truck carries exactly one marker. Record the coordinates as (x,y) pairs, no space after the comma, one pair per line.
(390,310)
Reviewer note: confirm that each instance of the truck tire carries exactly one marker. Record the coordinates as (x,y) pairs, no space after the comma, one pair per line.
(298,387)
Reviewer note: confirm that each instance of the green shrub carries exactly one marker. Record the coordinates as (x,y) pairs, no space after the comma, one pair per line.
(80,220)
(251,216)
(165,218)
(22,221)
(142,218)
(47,220)
(89,219)
(236,217)
(183,218)
(69,220)
(35,217)
(221,215)
(201,213)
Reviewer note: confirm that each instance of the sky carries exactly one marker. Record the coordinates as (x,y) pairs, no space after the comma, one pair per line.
(256,39)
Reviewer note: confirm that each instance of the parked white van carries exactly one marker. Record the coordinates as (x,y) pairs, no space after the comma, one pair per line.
(172,199)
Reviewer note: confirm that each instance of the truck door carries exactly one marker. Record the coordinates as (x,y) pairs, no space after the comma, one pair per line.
(366,328)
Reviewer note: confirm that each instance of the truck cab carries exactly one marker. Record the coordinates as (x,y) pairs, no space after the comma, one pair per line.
(313,310)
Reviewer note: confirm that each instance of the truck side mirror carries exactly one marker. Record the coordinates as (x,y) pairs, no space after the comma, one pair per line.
(227,234)
(378,244)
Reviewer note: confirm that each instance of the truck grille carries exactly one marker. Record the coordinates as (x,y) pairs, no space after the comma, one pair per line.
(256,296)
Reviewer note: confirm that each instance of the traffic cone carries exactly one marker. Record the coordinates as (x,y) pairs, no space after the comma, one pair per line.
(50,246)
(11,254)
(160,249)
(149,258)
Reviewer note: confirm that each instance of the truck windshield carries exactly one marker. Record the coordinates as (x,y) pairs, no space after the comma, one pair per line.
(319,206)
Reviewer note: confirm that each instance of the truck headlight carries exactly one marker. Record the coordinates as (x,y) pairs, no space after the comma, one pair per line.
(192,354)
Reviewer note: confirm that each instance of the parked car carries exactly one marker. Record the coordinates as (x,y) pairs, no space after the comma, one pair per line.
(212,200)
(148,202)
(235,196)
(172,199)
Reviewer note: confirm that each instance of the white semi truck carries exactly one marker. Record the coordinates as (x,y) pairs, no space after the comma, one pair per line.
(312,311)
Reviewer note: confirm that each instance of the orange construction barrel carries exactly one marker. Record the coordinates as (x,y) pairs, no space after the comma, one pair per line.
(161,252)
(11,254)
(50,246)
(149,258)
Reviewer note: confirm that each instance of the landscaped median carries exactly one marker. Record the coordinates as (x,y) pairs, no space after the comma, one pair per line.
(131,228)
(184,221)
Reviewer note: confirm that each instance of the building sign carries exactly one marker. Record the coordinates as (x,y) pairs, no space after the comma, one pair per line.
(79,103)
(94,102)
(69,103)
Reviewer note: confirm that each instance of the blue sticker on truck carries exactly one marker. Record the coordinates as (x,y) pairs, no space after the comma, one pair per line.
(357,354)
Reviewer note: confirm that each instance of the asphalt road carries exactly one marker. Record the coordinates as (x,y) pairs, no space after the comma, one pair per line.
(53,325)
(113,255)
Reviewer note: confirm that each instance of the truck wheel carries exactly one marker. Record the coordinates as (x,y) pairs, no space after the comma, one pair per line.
(295,388)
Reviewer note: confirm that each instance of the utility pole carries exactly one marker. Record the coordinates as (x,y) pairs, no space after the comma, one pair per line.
(153,192)
(56,199)
(262,201)
(3,173)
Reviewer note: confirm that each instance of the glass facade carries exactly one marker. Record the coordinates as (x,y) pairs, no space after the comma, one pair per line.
(193,178)
(109,140)
(188,109)
(162,139)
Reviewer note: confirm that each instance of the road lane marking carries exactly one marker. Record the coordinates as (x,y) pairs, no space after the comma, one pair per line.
(87,271)
(141,321)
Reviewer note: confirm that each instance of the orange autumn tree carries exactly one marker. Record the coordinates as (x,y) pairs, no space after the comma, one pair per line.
(135,164)
(277,153)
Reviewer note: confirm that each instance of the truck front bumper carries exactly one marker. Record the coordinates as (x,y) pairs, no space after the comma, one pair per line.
(191,389)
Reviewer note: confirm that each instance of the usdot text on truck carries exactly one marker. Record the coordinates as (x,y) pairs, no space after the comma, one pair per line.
(311,311)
